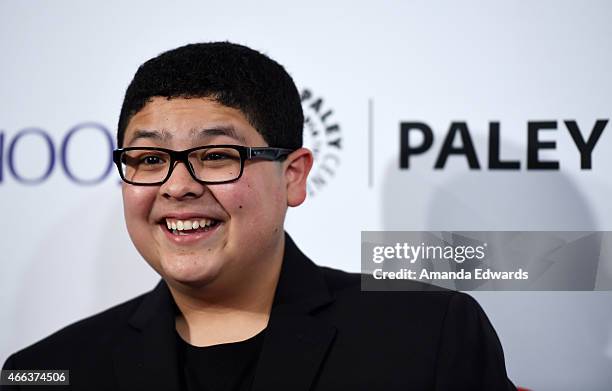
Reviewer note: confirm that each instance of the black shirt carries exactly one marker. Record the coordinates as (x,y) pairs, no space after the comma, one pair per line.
(224,367)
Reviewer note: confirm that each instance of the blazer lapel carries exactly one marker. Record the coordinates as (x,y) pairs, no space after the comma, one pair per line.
(146,357)
(296,342)
(295,345)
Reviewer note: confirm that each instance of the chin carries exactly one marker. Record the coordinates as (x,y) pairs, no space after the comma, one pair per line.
(188,271)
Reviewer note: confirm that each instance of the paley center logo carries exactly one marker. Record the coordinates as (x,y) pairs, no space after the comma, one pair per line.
(323,136)
(417,140)
(83,152)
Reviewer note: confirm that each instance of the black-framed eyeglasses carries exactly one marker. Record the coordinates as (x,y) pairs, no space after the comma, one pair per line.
(210,164)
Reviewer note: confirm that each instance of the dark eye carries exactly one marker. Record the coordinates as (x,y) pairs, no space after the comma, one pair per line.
(215,156)
(151,160)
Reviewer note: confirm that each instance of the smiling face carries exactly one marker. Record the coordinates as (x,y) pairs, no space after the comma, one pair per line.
(243,234)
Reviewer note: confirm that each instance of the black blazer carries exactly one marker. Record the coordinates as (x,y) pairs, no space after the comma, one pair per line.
(323,334)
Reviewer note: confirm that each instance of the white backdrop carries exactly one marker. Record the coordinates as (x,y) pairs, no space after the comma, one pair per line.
(65,253)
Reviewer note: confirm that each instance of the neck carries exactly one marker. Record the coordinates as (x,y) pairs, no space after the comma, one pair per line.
(232,310)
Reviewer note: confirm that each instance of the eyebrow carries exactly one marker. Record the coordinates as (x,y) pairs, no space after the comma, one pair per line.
(164,135)
(150,134)
(228,131)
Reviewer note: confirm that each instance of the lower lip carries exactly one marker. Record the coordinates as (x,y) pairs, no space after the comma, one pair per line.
(190,238)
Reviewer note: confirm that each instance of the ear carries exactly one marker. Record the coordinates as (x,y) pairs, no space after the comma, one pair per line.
(297,166)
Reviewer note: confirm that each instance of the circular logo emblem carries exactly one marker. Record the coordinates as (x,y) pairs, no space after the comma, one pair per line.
(323,136)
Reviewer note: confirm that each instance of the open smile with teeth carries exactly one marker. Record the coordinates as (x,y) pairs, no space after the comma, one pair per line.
(185,227)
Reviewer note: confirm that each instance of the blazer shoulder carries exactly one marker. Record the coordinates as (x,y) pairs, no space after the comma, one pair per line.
(92,332)
(435,305)
(344,282)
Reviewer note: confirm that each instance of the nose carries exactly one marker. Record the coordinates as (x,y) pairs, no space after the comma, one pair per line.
(181,185)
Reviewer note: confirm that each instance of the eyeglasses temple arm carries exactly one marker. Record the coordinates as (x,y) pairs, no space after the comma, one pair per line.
(268,153)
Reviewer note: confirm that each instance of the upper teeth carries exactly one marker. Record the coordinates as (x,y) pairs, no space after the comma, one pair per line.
(182,225)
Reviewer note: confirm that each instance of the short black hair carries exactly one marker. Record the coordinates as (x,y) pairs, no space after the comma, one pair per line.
(232,75)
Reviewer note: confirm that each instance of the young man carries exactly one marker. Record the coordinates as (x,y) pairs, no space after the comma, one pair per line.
(210,139)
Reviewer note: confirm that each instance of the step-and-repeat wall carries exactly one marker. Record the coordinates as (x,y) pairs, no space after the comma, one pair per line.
(424,115)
